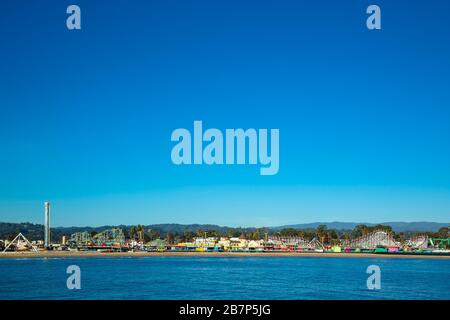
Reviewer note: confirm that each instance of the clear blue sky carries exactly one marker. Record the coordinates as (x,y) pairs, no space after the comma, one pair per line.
(86,116)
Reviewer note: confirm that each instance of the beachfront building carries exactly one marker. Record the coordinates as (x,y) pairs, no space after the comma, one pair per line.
(255,245)
(135,244)
(238,244)
(207,244)
(336,249)
(221,244)
(224,243)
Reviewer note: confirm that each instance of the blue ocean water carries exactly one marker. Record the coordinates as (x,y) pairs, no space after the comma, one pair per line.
(224,278)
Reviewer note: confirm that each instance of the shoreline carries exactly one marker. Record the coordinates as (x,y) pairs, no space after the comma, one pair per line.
(96,254)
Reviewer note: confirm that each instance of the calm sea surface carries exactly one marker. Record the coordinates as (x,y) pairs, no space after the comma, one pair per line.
(224,278)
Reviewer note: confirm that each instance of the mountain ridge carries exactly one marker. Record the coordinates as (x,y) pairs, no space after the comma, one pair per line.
(397,226)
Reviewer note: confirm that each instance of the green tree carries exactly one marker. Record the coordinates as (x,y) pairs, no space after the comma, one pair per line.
(360,230)
(444,232)
(256,235)
(333,234)
(321,232)
(288,232)
(153,234)
(170,238)
(189,236)
(382,227)
(212,233)
(200,233)
(140,232)
(132,232)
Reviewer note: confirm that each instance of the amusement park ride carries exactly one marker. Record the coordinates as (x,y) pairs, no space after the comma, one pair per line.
(109,238)
(113,239)
(20,243)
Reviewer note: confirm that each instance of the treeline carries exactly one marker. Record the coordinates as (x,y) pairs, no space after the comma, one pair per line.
(140,232)
(174,233)
(321,233)
(150,232)
(32,231)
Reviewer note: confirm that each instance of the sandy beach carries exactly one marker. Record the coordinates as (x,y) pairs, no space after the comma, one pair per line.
(95,254)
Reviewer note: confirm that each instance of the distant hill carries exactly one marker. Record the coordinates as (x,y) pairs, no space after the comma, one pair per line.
(36,231)
(421,226)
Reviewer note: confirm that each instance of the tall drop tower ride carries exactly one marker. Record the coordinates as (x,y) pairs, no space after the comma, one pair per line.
(47,240)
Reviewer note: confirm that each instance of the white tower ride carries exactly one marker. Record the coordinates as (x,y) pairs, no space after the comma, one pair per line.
(47,225)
